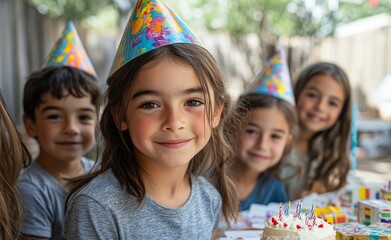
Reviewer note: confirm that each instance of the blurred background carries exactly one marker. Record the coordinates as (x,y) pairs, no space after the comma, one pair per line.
(241,34)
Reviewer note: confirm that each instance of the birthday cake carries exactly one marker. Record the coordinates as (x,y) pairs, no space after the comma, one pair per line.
(292,227)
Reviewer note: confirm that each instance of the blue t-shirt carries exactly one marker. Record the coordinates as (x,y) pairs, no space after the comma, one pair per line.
(43,201)
(266,190)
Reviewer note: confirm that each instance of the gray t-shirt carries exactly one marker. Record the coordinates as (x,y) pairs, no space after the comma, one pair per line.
(43,201)
(297,172)
(104,210)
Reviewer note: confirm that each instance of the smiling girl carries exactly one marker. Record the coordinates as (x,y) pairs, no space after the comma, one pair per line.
(270,117)
(319,162)
(164,170)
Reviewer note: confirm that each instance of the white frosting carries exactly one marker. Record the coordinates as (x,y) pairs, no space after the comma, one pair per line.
(291,228)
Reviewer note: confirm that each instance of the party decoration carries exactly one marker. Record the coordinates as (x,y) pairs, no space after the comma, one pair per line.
(274,79)
(69,51)
(152,25)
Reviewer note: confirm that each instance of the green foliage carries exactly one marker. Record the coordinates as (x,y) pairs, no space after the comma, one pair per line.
(238,17)
(239,23)
(250,16)
(350,12)
(278,17)
(76,10)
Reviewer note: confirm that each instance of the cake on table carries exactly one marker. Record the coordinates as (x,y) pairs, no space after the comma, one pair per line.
(292,227)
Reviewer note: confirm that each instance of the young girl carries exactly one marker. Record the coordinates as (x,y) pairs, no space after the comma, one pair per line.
(266,140)
(162,127)
(14,156)
(320,161)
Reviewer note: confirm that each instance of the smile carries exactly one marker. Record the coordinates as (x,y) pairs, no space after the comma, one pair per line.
(174,143)
(258,156)
(68,143)
(315,118)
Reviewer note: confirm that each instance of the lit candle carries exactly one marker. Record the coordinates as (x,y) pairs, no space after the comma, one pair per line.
(289,206)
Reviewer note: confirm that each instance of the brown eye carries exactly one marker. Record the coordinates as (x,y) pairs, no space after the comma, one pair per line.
(194,103)
(149,105)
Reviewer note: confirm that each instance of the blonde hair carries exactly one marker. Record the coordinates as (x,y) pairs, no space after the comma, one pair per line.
(14,156)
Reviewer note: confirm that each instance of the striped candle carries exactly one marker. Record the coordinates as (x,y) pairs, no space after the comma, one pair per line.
(313,210)
(306,218)
(300,206)
(286,209)
(280,212)
(297,214)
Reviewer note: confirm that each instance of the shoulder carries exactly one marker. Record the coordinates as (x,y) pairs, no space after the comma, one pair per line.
(294,157)
(203,185)
(34,171)
(89,164)
(104,189)
(206,190)
(295,163)
(273,185)
(35,177)
(205,199)
(106,182)
(274,190)
(273,181)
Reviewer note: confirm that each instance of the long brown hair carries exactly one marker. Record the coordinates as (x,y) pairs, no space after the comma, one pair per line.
(330,147)
(214,160)
(14,156)
(248,102)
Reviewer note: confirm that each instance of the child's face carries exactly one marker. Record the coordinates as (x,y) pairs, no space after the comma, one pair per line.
(264,139)
(320,103)
(166,117)
(64,128)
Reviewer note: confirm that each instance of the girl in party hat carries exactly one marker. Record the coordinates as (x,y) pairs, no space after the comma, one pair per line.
(268,107)
(163,129)
(319,161)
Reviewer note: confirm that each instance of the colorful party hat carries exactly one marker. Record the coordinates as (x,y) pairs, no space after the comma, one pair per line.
(69,51)
(152,24)
(274,79)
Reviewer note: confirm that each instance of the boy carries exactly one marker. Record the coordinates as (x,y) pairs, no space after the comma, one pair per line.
(61,103)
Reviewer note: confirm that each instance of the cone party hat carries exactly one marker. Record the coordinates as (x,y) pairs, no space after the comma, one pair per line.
(152,25)
(274,79)
(69,51)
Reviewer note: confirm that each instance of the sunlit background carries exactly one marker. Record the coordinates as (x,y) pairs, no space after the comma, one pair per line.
(241,34)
